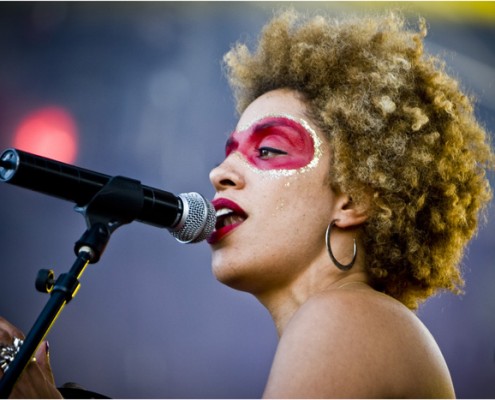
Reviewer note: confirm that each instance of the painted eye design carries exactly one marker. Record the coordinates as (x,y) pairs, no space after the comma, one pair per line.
(269,152)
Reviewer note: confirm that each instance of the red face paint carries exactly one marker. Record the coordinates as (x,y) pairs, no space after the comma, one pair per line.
(278,143)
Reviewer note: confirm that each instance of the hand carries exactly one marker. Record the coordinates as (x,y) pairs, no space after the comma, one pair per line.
(36,381)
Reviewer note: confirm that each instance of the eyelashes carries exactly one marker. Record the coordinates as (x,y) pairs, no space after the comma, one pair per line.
(269,152)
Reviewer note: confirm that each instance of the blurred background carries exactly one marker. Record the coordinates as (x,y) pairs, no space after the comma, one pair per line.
(137,89)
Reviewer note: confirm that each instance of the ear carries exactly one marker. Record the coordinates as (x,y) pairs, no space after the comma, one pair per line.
(349,214)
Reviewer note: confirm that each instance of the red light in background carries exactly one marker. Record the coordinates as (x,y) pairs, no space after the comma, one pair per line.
(49,132)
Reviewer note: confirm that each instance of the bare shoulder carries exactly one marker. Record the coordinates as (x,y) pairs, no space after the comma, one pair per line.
(357,343)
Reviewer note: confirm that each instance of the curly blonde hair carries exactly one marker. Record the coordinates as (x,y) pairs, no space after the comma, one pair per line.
(403,137)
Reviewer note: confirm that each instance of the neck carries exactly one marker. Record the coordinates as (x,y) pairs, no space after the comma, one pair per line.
(283,303)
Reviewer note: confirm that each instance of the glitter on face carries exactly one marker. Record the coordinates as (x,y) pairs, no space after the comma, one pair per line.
(291,132)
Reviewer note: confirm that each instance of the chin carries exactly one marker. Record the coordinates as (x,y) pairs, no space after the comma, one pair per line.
(229,277)
(234,276)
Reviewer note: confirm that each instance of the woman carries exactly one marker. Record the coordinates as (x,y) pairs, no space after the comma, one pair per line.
(350,187)
(351,184)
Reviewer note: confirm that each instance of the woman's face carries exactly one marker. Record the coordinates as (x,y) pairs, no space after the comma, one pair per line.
(272,198)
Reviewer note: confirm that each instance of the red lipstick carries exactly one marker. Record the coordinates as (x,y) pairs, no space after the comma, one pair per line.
(229,216)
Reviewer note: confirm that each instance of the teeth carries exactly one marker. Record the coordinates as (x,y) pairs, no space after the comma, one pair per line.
(232,219)
(226,217)
(223,211)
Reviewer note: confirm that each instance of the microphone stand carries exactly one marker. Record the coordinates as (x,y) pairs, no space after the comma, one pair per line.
(117,203)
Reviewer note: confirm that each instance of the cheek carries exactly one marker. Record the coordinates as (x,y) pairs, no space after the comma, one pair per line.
(289,199)
(304,200)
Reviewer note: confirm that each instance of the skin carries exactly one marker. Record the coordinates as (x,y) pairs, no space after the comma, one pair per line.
(338,336)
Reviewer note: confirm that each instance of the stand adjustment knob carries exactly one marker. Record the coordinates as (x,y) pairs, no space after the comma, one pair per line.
(45,280)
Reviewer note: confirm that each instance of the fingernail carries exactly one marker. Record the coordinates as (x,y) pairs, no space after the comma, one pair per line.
(47,348)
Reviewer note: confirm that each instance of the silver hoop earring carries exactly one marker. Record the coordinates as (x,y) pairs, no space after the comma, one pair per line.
(342,267)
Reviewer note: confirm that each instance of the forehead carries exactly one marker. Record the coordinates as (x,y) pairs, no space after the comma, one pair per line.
(280,101)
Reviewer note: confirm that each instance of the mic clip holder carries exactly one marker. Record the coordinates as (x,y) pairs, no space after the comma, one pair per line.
(117,203)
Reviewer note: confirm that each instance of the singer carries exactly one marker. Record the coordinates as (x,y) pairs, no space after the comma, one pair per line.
(351,185)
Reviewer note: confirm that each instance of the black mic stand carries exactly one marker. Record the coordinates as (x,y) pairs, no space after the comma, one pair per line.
(117,203)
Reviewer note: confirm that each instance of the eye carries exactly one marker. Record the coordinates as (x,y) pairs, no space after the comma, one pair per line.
(269,152)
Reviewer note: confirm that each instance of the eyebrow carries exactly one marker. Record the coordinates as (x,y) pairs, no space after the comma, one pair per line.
(282,122)
(264,125)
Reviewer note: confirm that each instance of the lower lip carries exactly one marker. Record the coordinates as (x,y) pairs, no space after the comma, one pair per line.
(219,234)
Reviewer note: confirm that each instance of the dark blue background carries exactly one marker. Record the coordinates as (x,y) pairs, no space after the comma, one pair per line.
(145,85)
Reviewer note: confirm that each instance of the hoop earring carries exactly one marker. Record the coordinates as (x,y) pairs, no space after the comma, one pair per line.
(342,267)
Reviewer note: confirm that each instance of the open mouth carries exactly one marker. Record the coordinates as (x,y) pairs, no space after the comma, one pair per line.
(229,216)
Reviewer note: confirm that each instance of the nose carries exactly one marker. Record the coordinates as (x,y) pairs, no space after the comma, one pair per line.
(227,175)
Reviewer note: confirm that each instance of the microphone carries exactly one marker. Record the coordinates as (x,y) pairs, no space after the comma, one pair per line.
(189,217)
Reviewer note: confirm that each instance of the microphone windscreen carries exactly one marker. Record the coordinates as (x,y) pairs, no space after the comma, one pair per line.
(198,220)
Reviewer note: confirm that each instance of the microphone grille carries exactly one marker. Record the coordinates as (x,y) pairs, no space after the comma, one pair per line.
(198,219)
